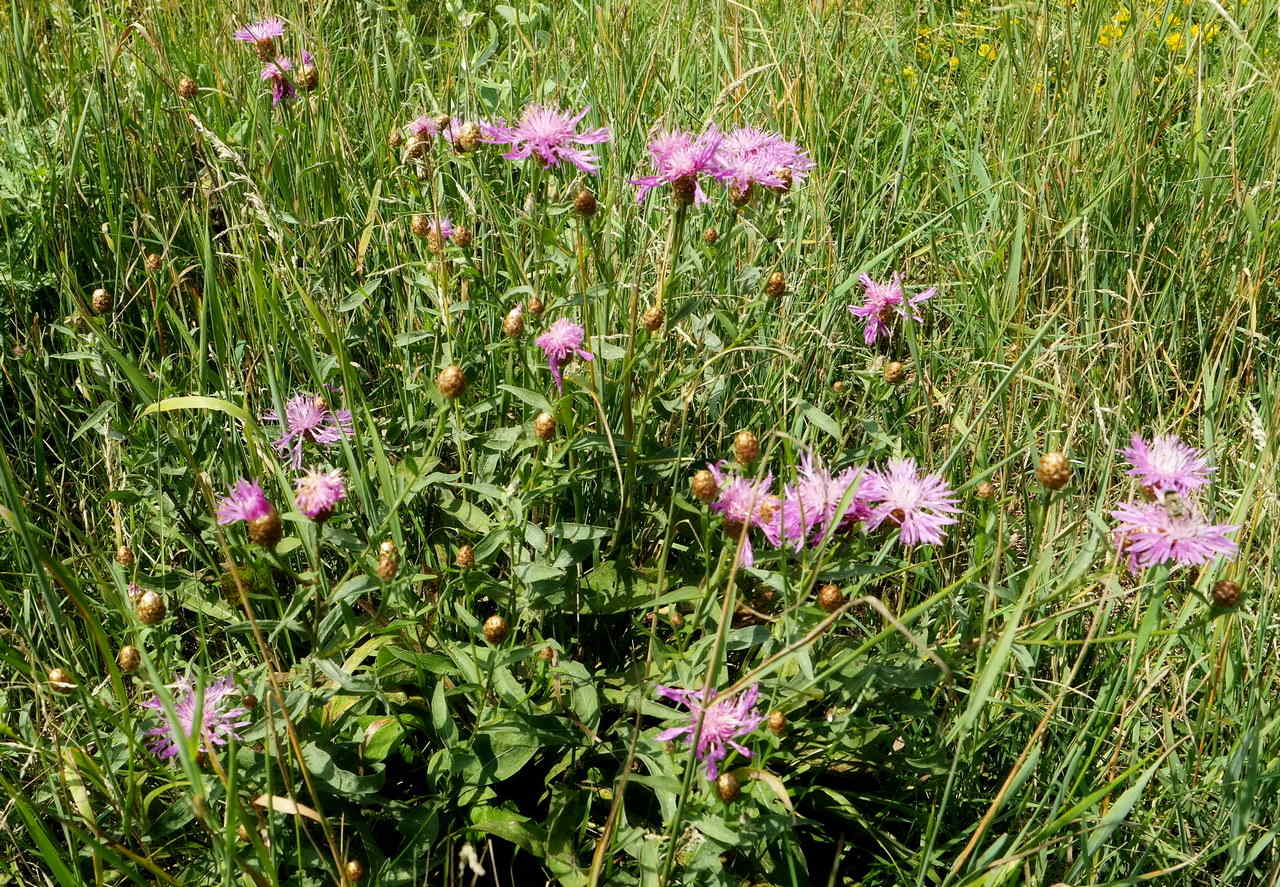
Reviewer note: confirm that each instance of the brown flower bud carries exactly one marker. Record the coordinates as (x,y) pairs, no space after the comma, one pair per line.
(395,138)
(513,323)
(894,372)
(266,530)
(451,382)
(544,425)
(249,701)
(705,488)
(1054,471)
(388,562)
(353,871)
(309,78)
(786,176)
(710,236)
(653,318)
(242,833)
(986,490)
(728,787)
(60,680)
(547,654)
(150,608)
(585,203)
(420,225)
(266,47)
(740,196)
(684,190)
(746,448)
(1226,594)
(776,285)
(128,658)
(124,556)
(495,629)
(153,262)
(830,598)
(777,722)
(187,88)
(466,557)
(101,301)
(462,236)
(534,306)
(468,137)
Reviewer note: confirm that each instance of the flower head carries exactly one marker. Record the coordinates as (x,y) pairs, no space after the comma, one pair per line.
(746,503)
(218,720)
(246,502)
(679,158)
(260,32)
(1166,465)
(424,127)
(276,73)
(560,341)
(307,417)
(317,492)
(550,135)
(883,302)
(920,505)
(716,727)
(812,506)
(752,156)
(1152,533)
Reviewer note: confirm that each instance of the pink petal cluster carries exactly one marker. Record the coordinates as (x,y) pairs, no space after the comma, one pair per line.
(564,338)
(919,504)
(750,156)
(1166,465)
(716,727)
(820,503)
(277,74)
(308,418)
(549,135)
(1151,533)
(883,303)
(246,502)
(317,492)
(680,159)
(219,721)
(424,127)
(258,32)
(744,504)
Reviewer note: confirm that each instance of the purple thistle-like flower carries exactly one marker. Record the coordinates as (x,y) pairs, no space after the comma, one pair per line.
(752,156)
(722,723)
(1166,465)
(811,507)
(218,723)
(746,503)
(560,341)
(259,32)
(277,73)
(424,127)
(317,492)
(679,159)
(246,502)
(441,229)
(1152,533)
(920,505)
(550,135)
(883,303)
(307,417)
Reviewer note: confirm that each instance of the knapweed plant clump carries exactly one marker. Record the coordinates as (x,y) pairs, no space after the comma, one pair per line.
(639,444)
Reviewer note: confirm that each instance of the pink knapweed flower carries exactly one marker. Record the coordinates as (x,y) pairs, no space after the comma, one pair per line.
(1166,465)
(424,127)
(317,492)
(550,135)
(260,32)
(219,720)
(246,502)
(883,303)
(563,339)
(307,417)
(752,156)
(920,505)
(811,507)
(441,229)
(277,74)
(717,727)
(746,503)
(679,159)
(1152,533)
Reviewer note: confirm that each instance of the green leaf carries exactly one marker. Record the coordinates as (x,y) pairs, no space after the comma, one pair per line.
(197,402)
(1120,811)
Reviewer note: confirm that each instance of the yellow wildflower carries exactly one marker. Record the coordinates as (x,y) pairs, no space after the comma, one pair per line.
(1174,41)
(953,63)
(988,52)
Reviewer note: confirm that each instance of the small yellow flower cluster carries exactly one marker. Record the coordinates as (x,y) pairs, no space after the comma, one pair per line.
(988,51)
(1109,33)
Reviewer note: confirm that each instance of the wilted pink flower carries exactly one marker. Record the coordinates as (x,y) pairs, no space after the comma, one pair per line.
(309,418)
(716,727)
(883,303)
(560,341)
(246,502)
(550,135)
(277,73)
(811,507)
(679,158)
(317,492)
(920,505)
(425,127)
(746,503)
(219,721)
(260,32)
(441,229)
(1152,533)
(751,156)
(1166,465)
